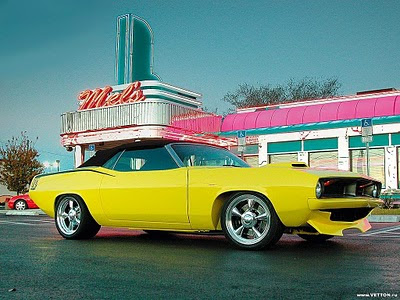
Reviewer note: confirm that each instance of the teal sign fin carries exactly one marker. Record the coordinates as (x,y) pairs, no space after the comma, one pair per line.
(134,50)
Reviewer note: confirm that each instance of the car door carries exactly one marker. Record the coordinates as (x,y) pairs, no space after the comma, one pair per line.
(146,186)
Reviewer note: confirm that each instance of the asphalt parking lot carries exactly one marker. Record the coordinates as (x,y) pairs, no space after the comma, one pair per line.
(36,263)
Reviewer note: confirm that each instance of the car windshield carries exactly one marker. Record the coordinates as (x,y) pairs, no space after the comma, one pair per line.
(203,155)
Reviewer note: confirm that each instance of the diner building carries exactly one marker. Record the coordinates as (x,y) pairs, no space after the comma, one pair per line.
(324,133)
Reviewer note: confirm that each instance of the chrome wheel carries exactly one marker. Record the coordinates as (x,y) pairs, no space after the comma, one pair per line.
(247,219)
(20,205)
(69,215)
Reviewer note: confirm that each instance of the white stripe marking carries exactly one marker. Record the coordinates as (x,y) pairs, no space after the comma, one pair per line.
(382,231)
(42,221)
(387,236)
(17,223)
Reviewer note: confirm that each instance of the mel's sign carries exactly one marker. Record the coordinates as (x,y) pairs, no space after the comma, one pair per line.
(104,97)
(134,51)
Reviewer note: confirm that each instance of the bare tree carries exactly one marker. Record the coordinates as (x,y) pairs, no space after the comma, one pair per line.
(19,164)
(305,89)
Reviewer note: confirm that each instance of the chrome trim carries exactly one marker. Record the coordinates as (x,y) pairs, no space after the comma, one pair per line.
(68,215)
(247,219)
(122,152)
(149,112)
(174,156)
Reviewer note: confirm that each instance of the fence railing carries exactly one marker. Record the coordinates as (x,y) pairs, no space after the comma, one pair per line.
(139,113)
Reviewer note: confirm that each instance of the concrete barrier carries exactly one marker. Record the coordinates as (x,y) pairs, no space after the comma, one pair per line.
(384,218)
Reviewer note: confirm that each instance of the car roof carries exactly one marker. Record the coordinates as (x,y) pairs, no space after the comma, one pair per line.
(102,156)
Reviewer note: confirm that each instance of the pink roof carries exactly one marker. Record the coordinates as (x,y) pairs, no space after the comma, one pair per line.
(379,106)
(201,123)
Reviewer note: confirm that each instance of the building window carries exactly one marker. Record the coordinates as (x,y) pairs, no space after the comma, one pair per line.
(252,160)
(398,167)
(324,160)
(277,158)
(376,163)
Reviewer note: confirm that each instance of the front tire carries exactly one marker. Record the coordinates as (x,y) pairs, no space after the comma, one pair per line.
(250,222)
(73,219)
(20,205)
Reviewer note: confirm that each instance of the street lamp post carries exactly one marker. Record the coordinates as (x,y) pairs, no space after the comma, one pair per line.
(49,166)
(46,165)
(57,165)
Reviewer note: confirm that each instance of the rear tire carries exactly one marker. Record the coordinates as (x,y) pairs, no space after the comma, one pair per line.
(20,205)
(319,238)
(250,222)
(73,219)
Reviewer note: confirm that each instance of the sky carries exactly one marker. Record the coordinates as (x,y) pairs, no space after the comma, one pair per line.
(52,50)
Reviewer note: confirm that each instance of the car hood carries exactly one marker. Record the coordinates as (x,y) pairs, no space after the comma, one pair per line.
(322,173)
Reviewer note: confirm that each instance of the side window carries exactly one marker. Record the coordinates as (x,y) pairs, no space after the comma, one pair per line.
(111,162)
(145,160)
(201,155)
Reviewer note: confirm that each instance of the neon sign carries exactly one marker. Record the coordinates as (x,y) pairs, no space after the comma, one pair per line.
(104,97)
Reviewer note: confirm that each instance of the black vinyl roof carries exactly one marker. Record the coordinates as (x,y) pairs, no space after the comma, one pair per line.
(102,156)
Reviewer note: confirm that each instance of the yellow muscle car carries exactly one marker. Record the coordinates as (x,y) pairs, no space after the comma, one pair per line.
(189,187)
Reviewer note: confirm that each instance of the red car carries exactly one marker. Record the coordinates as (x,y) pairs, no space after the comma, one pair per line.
(21,202)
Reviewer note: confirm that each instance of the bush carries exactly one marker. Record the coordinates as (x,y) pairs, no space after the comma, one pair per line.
(390,198)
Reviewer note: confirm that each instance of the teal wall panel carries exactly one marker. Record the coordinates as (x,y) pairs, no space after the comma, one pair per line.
(395,138)
(321,144)
(378,140)
(292,146)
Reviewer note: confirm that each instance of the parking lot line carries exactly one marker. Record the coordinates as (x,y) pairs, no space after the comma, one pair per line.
(41,221)
(18,223)
(386,236)
(383,230)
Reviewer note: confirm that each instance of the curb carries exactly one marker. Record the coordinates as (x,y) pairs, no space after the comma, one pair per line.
(27,212)
(38,212)
(384,218)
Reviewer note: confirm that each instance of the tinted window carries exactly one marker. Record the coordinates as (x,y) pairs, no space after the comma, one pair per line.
(101,157)
(145,160)
(111,162)
(202,155)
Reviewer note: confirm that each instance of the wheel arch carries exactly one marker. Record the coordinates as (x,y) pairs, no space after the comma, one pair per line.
(74,194)
(58,197)
(225,196)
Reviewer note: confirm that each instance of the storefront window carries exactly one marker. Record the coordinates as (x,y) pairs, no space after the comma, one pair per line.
(325,160)
(277,158)
(398,166)
(376,163)
(252,160)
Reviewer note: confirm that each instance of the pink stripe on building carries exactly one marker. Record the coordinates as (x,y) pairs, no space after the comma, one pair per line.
(343,108)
